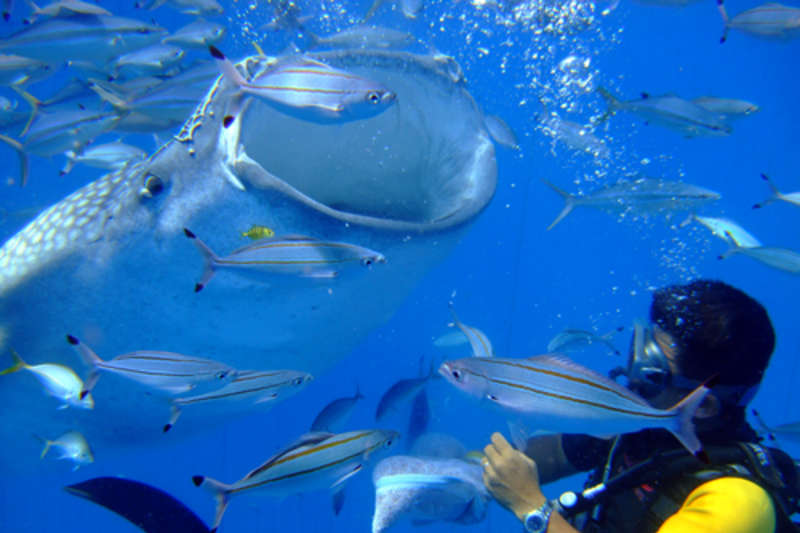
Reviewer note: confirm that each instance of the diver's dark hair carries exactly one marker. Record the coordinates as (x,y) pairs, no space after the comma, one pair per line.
(719,331)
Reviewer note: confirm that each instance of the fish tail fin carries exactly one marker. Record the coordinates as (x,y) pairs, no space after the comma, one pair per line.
(209,256)
(221,493)
(70,164)
(91,359)
(19,364)
(683,427)
(612,102)
(724,13)
(47,444)
(314,39)
(32,101)
(569,203)
(24,162)
(376,4)
(733,247)
(227,68)
(776,194)
(175,412)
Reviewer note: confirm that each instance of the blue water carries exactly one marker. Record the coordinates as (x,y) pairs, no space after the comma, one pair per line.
(517,282)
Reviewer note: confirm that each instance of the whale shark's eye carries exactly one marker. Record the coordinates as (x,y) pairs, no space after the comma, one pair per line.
(154,185)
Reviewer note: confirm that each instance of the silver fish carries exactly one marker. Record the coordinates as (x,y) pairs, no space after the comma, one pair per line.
(400,392)
(555,394)
(780,258)
(770,21)
(789,431)
(294,255)
(728,107)
(728,230)
(501,132)
(65,8)
(317,461)
(153,59)
(792,197)
(73,447)
(364,37)
(673,112)
(569,340)
(575,136)
(644,195)
(188,7)
(169,372)
(311,90)
(411,8)
(478,341)
(260,387)
(449,339)
(197,34)
(97,38)
(336,412)
(70,269)
(18,70)
(59,381)
(111,156)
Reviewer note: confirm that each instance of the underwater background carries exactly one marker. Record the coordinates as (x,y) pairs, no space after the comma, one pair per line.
(515,281)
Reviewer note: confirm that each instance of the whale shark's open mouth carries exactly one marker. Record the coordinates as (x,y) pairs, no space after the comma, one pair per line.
(424,163)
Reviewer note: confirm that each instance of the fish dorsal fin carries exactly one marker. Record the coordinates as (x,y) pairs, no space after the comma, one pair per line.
(563,363)
(305,440)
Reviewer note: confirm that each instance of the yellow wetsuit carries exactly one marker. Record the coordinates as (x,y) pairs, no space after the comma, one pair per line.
(724,505)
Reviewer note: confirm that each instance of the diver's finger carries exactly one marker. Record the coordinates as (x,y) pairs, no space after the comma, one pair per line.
(492,456)
(500,442)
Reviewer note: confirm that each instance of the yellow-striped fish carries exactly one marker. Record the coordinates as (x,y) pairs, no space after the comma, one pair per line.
(555,394)
(316,461)
(73,446)
(295,255)
(257,232)
(311,90)
(480,343)
(58,380)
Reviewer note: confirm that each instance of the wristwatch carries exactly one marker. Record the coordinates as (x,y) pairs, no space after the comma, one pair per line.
(537,520)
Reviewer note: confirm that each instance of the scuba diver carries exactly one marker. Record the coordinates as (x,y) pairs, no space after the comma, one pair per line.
(703,332)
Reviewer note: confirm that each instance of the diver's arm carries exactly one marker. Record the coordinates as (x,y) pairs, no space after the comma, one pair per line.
(551,461)
(728,504)
(513,479)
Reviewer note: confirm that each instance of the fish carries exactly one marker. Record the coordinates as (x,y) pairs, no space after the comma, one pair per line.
(169,372)
(316,461)
(65,8)
(111,156)
(411,8)
(197,34)
(287,15)
(727,230)
(554,394)
(153,59)
(51,134)
(576,339)
(643,195)
(18,70)
(59,381)
(419,418)
(364,36)
(501,132)
(779,258)
(792,197)
(575,136)
(336,412)
(73,447)
(789,431)
(257,232)
(452,338)
(262,387)
(478,341)
(400,392)
(70,268)
(426,490)
(95,38)
(187,7)
(769,21)
(294,255)
(311,90)
(728,107)
(670,111)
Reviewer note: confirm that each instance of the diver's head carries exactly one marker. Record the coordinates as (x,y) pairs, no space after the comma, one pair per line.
(698,331)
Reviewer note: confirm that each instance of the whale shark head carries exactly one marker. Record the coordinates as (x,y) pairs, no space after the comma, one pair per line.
(110,263)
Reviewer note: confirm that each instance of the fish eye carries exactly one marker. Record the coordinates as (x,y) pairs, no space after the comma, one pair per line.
(297,381)
(388,443)
(457,375)
(492,397)
(373,97)
(154,185)
(367,261)
(222,374)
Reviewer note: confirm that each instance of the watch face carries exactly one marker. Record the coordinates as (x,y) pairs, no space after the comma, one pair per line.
(535,522)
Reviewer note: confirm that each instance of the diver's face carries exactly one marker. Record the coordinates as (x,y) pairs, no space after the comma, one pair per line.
(651,360)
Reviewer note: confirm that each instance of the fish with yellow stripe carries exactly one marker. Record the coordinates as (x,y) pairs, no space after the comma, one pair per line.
(316,461)
(479,342)
(553,394)
(296,255)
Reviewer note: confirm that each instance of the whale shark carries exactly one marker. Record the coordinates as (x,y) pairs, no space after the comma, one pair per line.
(111,265)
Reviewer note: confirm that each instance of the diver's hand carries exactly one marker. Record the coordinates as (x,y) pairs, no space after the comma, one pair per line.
(511,477)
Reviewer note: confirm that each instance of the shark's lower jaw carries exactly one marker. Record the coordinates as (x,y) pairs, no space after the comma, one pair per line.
(110,264)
